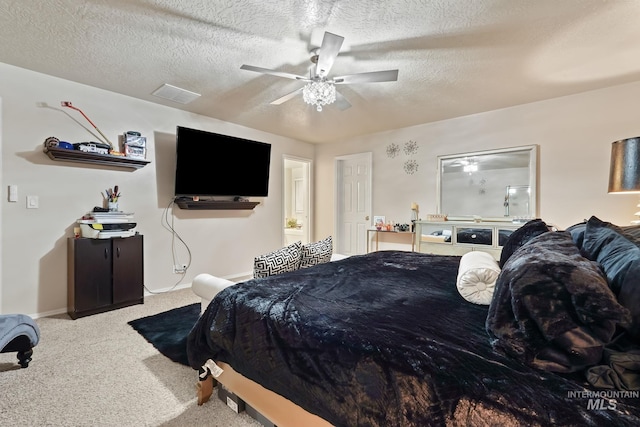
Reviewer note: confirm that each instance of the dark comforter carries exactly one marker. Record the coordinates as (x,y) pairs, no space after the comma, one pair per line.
(385,339)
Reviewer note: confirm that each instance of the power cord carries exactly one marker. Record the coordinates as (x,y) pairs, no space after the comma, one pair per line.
(169,225)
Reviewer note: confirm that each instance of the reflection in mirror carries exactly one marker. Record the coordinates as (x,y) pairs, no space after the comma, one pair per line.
(491,185)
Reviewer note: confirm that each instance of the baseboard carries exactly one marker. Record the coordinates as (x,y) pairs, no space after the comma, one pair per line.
(234,277)
(49,313)
(239,277)
(169,289)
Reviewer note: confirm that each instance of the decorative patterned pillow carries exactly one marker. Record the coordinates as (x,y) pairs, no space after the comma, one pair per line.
(316,253)
(277,262)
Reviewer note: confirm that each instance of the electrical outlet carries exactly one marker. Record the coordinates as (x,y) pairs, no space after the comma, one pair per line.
(179,268)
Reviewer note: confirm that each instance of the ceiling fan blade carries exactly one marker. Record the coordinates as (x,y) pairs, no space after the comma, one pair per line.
(286,97)
(371,77)
(328,52)
(273,72)
(341,102)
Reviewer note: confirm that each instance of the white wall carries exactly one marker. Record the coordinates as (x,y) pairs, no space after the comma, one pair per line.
(574,134)
(34,241)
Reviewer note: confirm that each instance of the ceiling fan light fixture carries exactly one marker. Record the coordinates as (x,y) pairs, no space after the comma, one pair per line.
(319,93)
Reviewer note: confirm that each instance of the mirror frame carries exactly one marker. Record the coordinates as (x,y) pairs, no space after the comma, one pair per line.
(533,182)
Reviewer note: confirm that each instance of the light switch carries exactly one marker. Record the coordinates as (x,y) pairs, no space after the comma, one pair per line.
(32,202)
(13,193)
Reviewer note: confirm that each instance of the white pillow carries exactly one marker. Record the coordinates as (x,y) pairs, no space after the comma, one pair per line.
(277,262)
(477,276)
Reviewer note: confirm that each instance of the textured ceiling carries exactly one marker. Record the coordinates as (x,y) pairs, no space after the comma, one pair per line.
(455,57)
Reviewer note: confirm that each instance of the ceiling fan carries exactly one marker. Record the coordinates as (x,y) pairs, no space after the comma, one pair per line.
(320,89)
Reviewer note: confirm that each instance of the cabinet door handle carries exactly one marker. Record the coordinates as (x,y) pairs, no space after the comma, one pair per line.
(106,253)
(118,251)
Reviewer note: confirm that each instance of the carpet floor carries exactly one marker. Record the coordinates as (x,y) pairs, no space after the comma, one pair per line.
(99,371)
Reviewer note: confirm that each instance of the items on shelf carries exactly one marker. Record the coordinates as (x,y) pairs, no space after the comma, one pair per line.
(105,140)
(133,144)
(106,224)
(113,195)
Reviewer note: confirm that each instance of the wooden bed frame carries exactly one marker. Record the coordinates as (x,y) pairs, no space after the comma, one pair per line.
(277,409)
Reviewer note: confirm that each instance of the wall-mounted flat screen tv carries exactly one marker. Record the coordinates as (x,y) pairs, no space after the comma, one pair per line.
(211,164)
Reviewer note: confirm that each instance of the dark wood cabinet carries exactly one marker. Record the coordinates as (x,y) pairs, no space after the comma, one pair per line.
(104,274)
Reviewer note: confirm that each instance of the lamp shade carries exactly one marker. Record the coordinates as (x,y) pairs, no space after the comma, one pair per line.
(624,172)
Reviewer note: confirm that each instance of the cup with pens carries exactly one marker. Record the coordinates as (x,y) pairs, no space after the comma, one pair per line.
(112,198)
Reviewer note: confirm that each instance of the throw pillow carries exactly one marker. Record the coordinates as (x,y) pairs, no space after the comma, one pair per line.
(521,236)
(629,297)
(477,274)
(631,232)
(615,253)
(316,253)
(577,233)
(277,262)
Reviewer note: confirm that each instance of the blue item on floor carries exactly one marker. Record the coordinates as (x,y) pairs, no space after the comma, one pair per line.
(18,332)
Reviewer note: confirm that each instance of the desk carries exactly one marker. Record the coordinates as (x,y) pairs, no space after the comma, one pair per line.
(375,230)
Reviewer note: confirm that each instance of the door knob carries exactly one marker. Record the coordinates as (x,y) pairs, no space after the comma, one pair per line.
(366,218)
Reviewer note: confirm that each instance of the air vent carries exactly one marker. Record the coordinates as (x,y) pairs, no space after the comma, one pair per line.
(175,94)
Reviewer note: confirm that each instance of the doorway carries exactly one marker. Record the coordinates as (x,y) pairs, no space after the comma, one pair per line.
(353,202)
(296,210)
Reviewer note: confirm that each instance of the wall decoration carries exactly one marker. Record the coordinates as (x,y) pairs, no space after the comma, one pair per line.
(410,166)
(410,148)
(393,150)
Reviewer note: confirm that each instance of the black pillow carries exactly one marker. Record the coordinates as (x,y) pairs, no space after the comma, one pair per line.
(629,297)
(619,258)
(577,233)
(521,236)
(604,243)
(631,232)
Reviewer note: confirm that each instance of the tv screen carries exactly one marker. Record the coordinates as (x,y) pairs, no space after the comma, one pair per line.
(210,164)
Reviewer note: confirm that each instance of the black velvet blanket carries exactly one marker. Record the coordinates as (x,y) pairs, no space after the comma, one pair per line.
(384,339)
(552,308)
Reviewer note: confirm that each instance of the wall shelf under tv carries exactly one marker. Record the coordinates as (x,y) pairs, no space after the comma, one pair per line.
(62,154)
(215,204)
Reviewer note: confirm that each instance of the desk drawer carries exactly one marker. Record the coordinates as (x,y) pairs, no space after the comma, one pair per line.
(475,236)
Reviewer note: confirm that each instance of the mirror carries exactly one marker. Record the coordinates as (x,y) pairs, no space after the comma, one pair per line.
(490,185)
